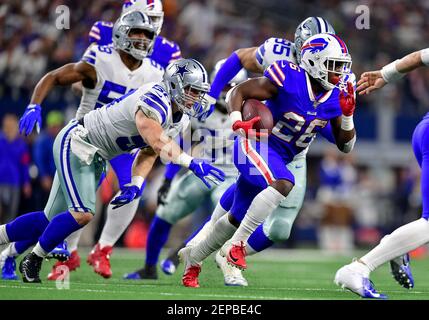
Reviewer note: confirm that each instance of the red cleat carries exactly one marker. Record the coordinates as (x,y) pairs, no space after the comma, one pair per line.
(99,259)
(236,256)
(60,268)
(190,277)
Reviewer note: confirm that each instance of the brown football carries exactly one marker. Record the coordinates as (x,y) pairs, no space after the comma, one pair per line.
(253,108)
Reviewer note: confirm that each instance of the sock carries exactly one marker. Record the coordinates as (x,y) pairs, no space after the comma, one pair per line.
(4,238)
(60,227)
(156,239)
(202,232)
(220,233)
(23,245)
(73,240)
(399,242)
(39,251)
(258,241)
(27,226)
(117,222)
(10,251)
(260,208)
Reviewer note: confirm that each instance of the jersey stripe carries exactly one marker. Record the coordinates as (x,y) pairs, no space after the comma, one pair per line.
(279,71)
(157,100)
(153,104)
(274,77)
(94,35)
(260,54)
(89,60)
(257,161)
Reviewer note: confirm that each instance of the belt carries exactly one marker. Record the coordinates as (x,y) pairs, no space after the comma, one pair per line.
(81,122)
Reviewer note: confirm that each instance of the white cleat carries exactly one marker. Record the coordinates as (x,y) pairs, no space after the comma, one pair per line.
(232,276)
(351,278)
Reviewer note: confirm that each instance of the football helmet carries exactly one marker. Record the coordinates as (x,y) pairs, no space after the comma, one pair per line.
(153,8)
(307,28)
(324,53)
(137,47)
(188,84)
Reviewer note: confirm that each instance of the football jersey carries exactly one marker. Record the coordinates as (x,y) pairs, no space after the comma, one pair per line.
(275,49)
(297,114)
(112,128)
(217,140)
(164,51)
(114,79)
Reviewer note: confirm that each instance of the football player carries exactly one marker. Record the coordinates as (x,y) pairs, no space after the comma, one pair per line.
(355,276)
(147,119)
(186,194)
(106,72)
(302,100)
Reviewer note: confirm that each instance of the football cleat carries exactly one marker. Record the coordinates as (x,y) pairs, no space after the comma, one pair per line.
(30,268)
(236,256)
(232,276)
(60,252)
(99,259)
(58,268)
(350,278)
(401,271)
(192,271)
(168,266)
(8,267)
(148,272)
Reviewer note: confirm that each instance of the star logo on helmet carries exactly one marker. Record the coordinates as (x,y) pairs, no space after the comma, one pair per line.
(181,71)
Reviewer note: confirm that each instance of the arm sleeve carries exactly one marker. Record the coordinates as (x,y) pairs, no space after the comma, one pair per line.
(227,72)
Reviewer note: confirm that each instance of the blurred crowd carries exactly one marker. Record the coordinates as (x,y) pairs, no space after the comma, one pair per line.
(208,30)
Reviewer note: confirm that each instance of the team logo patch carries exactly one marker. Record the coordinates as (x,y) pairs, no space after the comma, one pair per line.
(316,45)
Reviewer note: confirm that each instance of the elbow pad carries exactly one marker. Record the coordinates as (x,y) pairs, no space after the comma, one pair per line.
(348,146)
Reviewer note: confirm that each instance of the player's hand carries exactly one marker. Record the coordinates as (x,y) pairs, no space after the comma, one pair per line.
(32,116)
(204,170)
(348,102)
(128,194)
(163,191)
(245,128)
(370,81)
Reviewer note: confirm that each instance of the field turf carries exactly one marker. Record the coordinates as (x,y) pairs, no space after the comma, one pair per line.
(275,274)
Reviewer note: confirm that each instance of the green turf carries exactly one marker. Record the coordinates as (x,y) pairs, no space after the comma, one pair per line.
(276,274)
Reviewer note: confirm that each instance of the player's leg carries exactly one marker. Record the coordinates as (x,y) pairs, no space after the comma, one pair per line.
(355,276)
(117,219)
(185,196)
(78,185)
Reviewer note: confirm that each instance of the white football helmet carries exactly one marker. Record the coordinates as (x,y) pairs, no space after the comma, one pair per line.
(324,53)
(153,8)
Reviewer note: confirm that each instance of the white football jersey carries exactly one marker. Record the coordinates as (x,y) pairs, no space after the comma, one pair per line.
(217,140)
(114,79)
(112,128)
(275,49)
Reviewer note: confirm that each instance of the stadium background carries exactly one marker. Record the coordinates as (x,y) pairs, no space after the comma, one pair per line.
(350,202)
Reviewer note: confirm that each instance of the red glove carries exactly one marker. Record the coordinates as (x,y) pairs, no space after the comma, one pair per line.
(348,103)
(245,128)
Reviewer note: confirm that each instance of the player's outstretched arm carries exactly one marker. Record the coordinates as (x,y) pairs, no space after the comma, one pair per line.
(343,126)
(65,75)
(152,132)
(257,88)
(373,80)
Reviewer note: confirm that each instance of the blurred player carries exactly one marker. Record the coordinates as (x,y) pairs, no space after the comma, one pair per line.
(355,276)
(147,119)
(186,194)
(278,225)
(106,72)
(302,100)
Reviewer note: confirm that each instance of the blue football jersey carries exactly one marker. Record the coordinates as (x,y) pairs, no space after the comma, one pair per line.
(164,51)
(298,115)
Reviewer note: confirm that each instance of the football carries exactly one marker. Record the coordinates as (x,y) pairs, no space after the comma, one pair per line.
(253,108)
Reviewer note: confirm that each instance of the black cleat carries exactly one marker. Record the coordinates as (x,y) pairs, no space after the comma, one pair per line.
(148,272)
(30,268)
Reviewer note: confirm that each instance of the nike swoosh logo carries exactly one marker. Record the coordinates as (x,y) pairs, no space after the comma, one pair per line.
(32,110)
(232,258)
(298,167)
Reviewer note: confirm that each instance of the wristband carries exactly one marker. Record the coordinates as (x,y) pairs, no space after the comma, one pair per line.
(137,181)
(184,159)
(347,123)
(390,73)
(424,55)
(235,116)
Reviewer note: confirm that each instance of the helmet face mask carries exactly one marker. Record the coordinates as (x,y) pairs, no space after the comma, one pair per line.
(134,34)
(326,59)
(187,81)
(308,28)
(152,8)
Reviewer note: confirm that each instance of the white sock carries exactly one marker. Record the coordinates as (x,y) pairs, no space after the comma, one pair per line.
(222,231)
(73,240)
(10,251)
(217,213)
(117,222)
(260,208)
(399,242)
(39,251)
(4,238)
(249,250)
